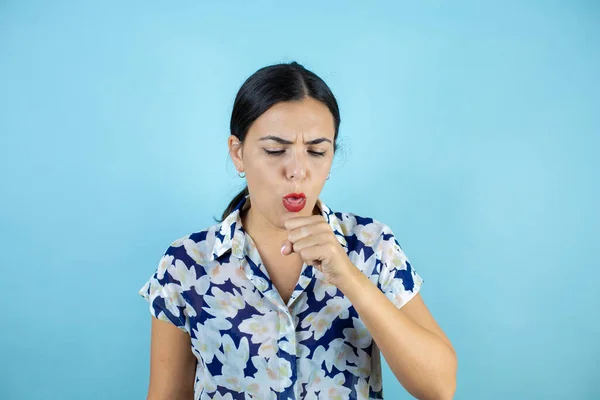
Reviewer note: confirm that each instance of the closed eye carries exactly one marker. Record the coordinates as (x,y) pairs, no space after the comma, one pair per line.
(274,152)
(280,152)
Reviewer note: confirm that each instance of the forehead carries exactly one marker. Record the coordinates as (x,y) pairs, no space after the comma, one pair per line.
(307,117)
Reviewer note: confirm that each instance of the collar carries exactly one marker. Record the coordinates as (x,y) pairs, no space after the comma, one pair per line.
(231,236)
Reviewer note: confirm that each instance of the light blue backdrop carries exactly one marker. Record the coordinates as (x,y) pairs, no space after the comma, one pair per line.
(471,128)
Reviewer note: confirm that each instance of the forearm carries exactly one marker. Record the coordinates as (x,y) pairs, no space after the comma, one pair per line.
(421,361)
(185,394)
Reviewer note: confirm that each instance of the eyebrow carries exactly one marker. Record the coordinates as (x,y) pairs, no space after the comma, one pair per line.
(283,141)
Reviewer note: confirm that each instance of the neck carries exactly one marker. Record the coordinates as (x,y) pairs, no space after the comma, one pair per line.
(262,231)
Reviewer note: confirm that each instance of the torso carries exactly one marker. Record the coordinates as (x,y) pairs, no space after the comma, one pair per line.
(234,319)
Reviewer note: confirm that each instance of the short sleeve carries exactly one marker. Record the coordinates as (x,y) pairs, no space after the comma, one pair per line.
(164,293)
(398,280)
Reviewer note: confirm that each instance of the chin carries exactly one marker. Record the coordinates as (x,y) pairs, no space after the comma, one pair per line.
(279,222)
(281,215)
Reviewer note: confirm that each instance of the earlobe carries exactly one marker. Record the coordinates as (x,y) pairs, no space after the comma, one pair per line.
(239,161)
(235,152)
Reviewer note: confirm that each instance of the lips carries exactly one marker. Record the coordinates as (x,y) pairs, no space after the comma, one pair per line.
(294,202)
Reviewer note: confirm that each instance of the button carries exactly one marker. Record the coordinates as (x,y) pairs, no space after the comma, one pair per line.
(261,284)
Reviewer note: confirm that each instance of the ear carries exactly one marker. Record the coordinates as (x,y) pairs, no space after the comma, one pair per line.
(235,152)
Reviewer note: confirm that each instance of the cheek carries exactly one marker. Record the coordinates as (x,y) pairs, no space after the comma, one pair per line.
(322,167)
(260,162)
(262,172)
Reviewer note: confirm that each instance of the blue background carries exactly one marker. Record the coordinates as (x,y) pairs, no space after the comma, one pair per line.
(471,128)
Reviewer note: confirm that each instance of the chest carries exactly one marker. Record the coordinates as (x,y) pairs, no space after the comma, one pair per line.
(284,272)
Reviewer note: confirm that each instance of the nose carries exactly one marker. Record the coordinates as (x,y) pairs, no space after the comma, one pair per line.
(296,168)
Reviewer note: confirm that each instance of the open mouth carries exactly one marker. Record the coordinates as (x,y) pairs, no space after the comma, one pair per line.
(294,202)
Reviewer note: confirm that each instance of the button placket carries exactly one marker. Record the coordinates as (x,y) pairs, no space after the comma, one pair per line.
(303,282)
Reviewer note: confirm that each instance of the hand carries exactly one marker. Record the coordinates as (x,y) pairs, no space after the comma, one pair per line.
(313,239)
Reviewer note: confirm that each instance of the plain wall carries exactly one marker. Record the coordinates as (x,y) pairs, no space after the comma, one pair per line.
(471,128)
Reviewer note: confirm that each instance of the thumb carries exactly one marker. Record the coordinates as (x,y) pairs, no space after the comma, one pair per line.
(287,248)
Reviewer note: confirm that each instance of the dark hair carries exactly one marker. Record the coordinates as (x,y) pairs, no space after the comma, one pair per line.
(269,86)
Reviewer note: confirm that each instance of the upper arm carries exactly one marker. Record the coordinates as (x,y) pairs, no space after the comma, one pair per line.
(172,363)
(401,284)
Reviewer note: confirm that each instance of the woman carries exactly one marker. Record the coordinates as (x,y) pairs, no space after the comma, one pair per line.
(286,299)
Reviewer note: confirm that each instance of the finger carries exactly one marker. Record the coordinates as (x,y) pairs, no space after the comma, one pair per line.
(297,222)
(308,230)
(287,248)
(310,241)
(316,264)
(314,255)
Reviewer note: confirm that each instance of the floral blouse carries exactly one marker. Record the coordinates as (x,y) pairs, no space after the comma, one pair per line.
(248,343)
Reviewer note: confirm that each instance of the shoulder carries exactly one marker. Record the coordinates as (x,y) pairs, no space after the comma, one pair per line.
(360,230)
(195,247)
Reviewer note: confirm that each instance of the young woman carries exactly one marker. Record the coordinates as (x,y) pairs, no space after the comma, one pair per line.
(285,298)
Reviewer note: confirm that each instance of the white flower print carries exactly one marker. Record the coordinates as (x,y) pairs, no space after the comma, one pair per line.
(186,276)
(322,287)
(234,361)
(256,389)
(301,336)
(202,284)
(319,322)
(329,388)
(239,278)
(338,354)
(337,391)
(337,306)
(347,224)
(397,294)
(393,255)
(358,336)
(219,396)
(363,364)
(375,378)
(368,234)
(287,346)
(173,300)
(190,311)
(218,272)
(300,305)
(362,388)
(309,368)
(314,382)
(179,242)
(262,329)
(204,380)
(303,351)
(164,263)
(275,372)
(222,303)
(254,298)
(366,267)
(319,325)
(207,337)
(200,252)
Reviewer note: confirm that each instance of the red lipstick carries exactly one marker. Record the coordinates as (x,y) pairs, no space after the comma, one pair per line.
(294,202)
